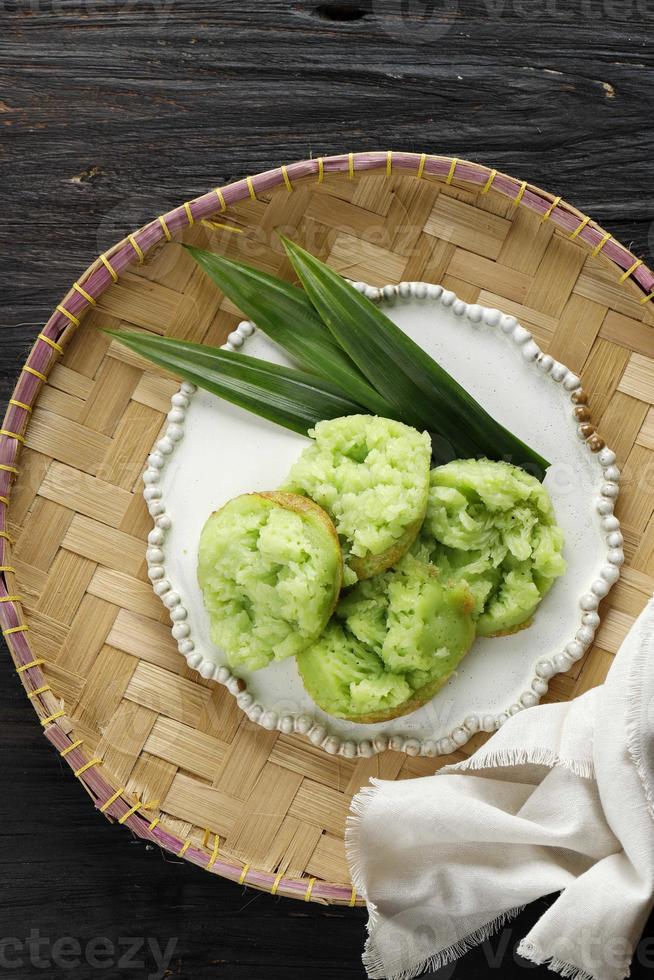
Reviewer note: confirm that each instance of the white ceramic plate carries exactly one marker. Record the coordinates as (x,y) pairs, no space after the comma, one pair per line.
(213,451)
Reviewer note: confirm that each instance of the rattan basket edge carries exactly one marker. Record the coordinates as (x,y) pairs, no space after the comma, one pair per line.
(109,798)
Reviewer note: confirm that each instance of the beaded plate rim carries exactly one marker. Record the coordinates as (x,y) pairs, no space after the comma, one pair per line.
(544,669)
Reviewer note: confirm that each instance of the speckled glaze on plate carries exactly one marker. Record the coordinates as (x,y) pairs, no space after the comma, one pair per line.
(213,451)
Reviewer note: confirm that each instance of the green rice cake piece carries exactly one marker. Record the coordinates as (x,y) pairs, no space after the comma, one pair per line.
(409,618)
(493,526)
(270,570)
(512,605)
(347,679)
(474,568)
(483,504)
(394,642)
(372,477)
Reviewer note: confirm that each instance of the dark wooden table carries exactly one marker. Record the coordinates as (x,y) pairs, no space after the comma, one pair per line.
(112,113)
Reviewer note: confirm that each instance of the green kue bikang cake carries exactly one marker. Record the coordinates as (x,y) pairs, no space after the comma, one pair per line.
(393,643)
(371,475)
(270,570)
(428,559)
(493,526)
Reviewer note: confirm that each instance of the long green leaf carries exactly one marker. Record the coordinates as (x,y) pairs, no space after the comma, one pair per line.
(293,399)
(287,316)
(417,388)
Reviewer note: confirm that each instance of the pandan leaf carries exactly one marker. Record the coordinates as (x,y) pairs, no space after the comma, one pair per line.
(293,399)
(286,315)
(419,391)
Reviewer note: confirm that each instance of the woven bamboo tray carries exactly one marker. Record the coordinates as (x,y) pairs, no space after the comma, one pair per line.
(157,747)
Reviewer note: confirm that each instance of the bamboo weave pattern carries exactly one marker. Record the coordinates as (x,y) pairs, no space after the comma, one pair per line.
(156,746)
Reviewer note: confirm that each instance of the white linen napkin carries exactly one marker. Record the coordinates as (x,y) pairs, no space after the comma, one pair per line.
(561,798)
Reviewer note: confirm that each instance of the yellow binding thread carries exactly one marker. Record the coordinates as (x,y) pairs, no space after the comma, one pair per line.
(221,197)
(184,848)
(39,690)
(389,163)
(5,501)
(350,165)
(87,296)
(27,408)
(137,248)
(132,810)
(32,663)
(189,213)
(647,298)
(307,896)
(632,268)
(580,227)
(214,853)
(15,629)
(275,884)
(287,179)
(11,598)
(12,435)
(50,718)
(112,799)
(421,165)
(7,568)
(166,229)
(109,267)
(71,747)
(489,183)
(450,176)
(555,203)
(87,765)
(520,194)
(602,242)
(5,534)
(37,374)
(67,313)
(244,874)
(51,343)
(154,824)
(321,170)
(353,898)
(248,181)
(137,806)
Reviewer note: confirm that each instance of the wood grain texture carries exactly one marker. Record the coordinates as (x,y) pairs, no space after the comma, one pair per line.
(109,116)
